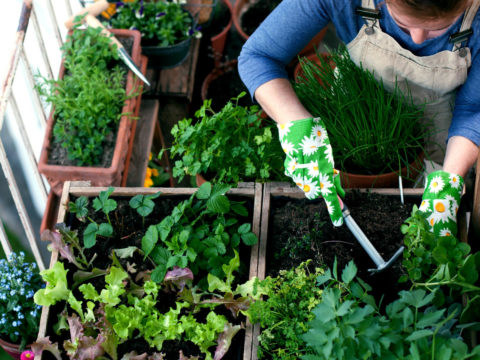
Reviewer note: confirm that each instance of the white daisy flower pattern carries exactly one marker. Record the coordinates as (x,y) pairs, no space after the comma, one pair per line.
(424,206)
(298,180)
(436,185)
(441,211)
(329,154)
(338,222)
(288,147)
(310,188)
(309,145)
(325,184)
(330,207)
(283,129)
(454,181)
(313,169)
(320,132)
(445,232)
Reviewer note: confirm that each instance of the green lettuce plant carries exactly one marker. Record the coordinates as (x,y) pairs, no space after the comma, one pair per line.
(371,130)
(232,145)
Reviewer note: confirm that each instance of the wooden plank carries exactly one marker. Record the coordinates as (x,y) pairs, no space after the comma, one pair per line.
(178,81)
(142,142)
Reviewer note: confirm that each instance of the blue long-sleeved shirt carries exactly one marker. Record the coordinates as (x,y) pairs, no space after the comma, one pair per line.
(293,23)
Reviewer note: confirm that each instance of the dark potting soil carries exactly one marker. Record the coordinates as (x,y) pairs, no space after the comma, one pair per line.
(301,230)
(221,18)
(58,155)
(225,87)
(256,13)
(129,229)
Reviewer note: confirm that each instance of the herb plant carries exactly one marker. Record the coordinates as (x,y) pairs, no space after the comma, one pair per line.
(88,100)
(371,130)
(161,23)
(19,315)
(232,145)
(349,325)
(285,311)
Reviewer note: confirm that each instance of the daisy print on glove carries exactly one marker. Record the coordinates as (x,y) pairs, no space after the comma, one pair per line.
(309,162)
(440,202)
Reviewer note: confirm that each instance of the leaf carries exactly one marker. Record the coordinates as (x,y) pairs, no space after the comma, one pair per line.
(105,230)
(126,252)
(249,239)
(218,204)
(322,279)
(244,228)
(90,235)
(149,240)
(239,209)
(419,334)
(204,191)
(349,272)
(159,273)
(225,339)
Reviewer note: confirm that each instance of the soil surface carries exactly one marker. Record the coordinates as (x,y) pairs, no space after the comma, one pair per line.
(301,230)
(58,155)
(129,229)
(256,13)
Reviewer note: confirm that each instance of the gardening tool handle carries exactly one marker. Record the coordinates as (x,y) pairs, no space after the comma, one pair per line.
(92,21)
(93,9)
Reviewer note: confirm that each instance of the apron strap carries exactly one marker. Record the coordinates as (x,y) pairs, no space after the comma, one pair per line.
(369,13)
(460,38)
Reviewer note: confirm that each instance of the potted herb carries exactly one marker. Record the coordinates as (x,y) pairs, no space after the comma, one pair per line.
(230,146)
(167,29)
(89,127)
(19,315)
(372,131)
(150,272)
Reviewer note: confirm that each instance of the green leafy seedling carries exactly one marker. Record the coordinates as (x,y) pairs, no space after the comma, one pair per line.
(102,202)
(79,208)
(143,204)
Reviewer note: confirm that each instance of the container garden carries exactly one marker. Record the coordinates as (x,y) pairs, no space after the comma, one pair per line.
(254,152)
(58,169)
(249,14)
(297,239)
(372,132)
(134,229)
(167,30)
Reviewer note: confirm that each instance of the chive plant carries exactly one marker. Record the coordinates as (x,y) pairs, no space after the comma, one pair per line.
(372,131)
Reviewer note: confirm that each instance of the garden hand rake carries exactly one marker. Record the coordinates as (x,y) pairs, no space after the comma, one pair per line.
(367,245)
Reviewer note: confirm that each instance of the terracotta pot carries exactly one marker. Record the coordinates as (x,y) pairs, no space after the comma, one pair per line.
(387,180)
(57,174)
(51,210)
(214,74)
(201,9)
(241,6)
(11,349)
(218,41)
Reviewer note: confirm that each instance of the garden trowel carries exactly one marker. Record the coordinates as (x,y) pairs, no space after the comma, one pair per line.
(90,12)
(367,245)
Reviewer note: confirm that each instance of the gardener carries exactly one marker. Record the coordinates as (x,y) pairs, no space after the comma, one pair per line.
(426,46)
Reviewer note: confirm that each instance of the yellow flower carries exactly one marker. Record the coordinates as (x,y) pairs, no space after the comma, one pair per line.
(148,182)
(150,157)
(154,172)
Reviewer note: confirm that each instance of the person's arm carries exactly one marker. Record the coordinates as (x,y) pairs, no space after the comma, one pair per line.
(460,156)
(279,101)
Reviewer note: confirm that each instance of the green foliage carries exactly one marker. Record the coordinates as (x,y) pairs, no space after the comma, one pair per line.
(370,129)
(285,312)
(201,233)
(233,145)
(88,100)
(442,263)
(144,203)
(348,325)
(161,23)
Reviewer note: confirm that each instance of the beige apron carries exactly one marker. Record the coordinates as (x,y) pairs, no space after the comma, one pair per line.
(431,80)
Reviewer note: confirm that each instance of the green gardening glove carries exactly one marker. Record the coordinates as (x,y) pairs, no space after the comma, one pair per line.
(309,162)
(440,202)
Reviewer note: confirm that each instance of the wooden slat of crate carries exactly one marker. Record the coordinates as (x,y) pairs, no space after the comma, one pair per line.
(178,81)
(82,188)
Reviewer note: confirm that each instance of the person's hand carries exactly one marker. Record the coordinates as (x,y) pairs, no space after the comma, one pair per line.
(309,162)
(440,202)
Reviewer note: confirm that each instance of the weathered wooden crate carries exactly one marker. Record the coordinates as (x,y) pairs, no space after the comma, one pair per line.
(278,189)
(250,191)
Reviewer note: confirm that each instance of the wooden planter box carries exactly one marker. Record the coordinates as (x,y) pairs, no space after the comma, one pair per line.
(58,174)
(274,190)
(252,192)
